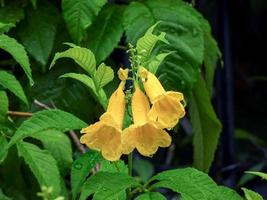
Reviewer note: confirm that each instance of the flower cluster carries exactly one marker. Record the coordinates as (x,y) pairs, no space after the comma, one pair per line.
(150,116)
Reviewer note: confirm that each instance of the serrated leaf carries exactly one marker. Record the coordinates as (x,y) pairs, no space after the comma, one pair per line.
(104,74)
(103,37)
(8,81)
(11,14)
(3,104)
(105,185)
(79,14)
(47,120)
(151,196)
(260,174)
(206,126)
(4,27)
(38,31)
(251,195)
(117,166)
(42,165)
(99,95)
(81,168)
(146,43)
(189,182)
(18,53)
(82,56)
(193,185)
(58,145)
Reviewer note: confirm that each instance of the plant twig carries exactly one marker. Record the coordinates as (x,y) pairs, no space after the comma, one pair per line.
(72,134)
(17,113)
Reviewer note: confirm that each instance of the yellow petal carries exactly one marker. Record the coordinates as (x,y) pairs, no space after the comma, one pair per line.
(116,105)
(123,74)
(152,85)
(167,110)
(140,106)
(105,138)
(146,138)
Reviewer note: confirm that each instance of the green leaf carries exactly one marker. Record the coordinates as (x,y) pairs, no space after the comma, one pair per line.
(4,27)
(3,196)
(245,178)
(117,166)
(260,174)
(82,56)
(151,196)
(103,37)
(143,168)
(99,95)
(183,32)
(58,145)
(47,120)
(81,168)
(155,62)
(3,150)
(11,14)
(227,193)
(9,82)
(188,182)
(34,3)
(38,31)
(251,195)
(103,76)
(79,14)
(206,126)
(107,185)
(18,53)
(146,44)
(3,104)
(42,164)
(193,185)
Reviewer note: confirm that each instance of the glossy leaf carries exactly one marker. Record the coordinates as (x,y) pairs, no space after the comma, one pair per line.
(81,168)
(4,27)
(58,145)
(82,56)
(8,81)
(79,15)
(206,126)
(103,37)
(18,53)
(105,185)
(47,120)
(38,31)
(99,95)
(104,74)
(251,195)
(260,174)
(42,164)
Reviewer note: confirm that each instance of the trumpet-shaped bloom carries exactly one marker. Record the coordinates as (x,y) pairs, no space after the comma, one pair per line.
(167,108)
(105,135)
(143,135)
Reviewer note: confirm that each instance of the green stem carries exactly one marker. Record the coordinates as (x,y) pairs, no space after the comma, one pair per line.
(130,169)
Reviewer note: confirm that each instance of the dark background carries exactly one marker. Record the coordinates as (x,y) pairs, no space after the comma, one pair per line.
(240,87)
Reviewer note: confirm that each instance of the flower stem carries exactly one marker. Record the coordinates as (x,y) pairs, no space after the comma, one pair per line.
(130,169)
(130,164)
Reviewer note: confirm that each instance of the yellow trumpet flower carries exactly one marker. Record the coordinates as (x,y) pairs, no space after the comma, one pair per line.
(143,135)
(166,107)
(105,135)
